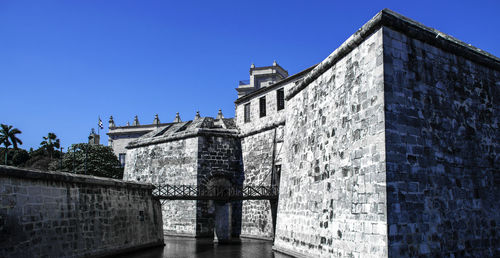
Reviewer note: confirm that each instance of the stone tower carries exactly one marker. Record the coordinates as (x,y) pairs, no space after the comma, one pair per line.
(261,77)
(94,138)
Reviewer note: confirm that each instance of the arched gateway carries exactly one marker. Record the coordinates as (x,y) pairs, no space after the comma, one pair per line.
(197,169)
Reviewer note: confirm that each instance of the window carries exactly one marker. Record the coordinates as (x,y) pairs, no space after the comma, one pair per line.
(262,106)
(121,157)
(280,98)
(247,113)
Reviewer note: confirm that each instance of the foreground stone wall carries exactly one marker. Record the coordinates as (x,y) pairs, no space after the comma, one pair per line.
(175,163)
(332,191)
(443,153)
(55,214)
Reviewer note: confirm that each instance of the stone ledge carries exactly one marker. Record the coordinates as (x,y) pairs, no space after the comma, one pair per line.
(289,252)
(172,233)
(406,26)
(257,237)
(8,171)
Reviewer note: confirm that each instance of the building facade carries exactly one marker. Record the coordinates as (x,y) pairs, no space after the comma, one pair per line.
(388,147)
(120,136)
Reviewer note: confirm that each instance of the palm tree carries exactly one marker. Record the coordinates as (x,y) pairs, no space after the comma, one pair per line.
(6,133)
(50,143)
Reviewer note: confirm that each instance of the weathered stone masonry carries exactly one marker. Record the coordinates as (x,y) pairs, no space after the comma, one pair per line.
(56,214)
(443,153)
(389,147)
(332,191)
(260,137)
(199,152)
(393,148)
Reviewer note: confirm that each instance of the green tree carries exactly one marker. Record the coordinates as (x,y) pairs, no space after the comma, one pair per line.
(50,143)
(16,157)
(8,133)
(90,159)
(39,158)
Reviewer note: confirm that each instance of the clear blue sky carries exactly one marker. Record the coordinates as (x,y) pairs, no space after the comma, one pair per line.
(64,63)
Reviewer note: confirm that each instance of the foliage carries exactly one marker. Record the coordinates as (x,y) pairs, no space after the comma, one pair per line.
(49,143)
(40,159)
(8,133)
(16,157)
(101,161)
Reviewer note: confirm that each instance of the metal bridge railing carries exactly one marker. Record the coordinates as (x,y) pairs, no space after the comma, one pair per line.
(218,193)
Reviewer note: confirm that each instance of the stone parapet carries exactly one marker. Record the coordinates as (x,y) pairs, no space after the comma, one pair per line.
(56,214)
(55,176)
(407,26)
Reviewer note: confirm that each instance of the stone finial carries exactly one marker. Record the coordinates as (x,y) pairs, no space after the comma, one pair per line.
(197,115)
(177,118)
(274,63)
(252,66)
(156,121)
(136,121)
(219,115)
(111,122)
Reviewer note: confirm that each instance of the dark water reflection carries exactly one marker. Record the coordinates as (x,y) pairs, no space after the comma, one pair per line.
(182,247)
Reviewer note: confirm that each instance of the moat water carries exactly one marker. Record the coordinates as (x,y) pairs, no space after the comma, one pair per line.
(183,247)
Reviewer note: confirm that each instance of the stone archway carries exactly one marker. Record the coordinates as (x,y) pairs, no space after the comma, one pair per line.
(227,214)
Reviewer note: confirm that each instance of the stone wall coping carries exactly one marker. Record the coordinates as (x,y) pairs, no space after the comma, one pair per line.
(129,132)
(192,134)
(407,26)
(138,126)
(8,171)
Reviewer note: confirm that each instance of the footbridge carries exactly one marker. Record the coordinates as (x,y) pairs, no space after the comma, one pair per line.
(216,193)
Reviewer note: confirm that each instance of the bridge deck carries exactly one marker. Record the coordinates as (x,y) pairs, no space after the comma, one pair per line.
(190,192)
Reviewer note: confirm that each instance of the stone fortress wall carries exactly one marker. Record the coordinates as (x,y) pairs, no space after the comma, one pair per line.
(392,148)
(219,163)
(56,214)
(192,153)
(443,147)
(332,192)
(173,162)
(260,137)
(389,147)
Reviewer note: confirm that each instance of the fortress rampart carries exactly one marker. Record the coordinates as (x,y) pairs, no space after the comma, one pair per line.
(57,214)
